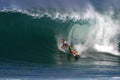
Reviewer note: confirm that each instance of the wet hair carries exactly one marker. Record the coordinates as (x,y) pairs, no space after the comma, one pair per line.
(63,39)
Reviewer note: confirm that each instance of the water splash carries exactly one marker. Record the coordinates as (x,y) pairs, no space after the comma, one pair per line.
(99,34)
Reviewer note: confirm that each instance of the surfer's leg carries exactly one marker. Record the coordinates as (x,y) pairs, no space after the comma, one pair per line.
(74,52)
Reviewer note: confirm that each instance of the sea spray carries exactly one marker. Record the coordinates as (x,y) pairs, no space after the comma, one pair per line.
(99,34)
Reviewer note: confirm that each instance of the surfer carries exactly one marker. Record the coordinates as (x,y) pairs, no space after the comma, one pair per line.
(69,47)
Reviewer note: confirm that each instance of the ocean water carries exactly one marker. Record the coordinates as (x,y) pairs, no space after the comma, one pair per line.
(30,41)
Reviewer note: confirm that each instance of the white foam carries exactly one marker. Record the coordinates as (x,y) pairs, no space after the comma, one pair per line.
(102,33)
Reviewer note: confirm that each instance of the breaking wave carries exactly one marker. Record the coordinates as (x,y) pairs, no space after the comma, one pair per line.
(34,35)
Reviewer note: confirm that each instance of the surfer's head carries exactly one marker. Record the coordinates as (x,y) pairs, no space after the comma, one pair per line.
(62,40)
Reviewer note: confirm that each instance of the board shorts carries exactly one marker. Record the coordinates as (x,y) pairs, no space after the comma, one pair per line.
(71,48)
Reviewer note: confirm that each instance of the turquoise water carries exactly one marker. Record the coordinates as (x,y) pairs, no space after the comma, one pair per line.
(30,40)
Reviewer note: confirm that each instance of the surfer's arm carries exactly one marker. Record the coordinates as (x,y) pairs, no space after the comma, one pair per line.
(62,45)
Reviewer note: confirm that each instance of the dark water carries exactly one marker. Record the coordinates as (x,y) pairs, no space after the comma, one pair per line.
(23,36)
(29,48)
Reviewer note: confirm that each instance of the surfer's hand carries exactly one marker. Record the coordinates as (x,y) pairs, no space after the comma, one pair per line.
(61,46)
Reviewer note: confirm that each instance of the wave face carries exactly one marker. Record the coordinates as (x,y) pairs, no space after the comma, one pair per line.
(34,35)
